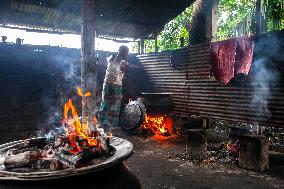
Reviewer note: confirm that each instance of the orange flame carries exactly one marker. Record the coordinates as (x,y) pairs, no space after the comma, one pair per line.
(80,92)
(232,146)
(95,121)
(75,128)
(159,125)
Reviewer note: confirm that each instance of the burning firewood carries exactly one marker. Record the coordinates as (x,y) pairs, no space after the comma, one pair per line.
(55,156)
(67,158)
(77,144)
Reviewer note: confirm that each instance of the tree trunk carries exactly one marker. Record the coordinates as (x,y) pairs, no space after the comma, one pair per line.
(203,25)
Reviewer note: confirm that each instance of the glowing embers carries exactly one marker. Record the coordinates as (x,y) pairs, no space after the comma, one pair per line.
(158,125)
(233,146)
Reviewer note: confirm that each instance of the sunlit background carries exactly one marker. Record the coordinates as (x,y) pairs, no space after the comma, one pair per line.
(64,40)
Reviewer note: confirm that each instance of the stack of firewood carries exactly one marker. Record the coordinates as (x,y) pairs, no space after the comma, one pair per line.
(40,154)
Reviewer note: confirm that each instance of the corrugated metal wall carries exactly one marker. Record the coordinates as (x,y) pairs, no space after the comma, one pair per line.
(186,73)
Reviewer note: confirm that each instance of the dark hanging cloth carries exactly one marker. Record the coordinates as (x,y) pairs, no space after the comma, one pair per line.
(223,59)
(231,57)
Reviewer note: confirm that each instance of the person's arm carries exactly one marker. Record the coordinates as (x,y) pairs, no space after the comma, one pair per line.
(124,65)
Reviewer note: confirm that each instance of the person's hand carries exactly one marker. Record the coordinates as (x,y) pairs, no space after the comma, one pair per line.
(124,66)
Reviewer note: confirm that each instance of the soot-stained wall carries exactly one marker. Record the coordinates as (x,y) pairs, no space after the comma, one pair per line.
(33,80)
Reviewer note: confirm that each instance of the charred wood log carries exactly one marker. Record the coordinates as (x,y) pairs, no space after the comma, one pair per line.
(15,151)
(55,165)
(37,142)
(71,160)
(41,164)
(22,159)
(67,158)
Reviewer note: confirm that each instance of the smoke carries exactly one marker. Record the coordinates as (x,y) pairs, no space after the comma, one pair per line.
(265,75)
(63,76)
(54,133)
(265,78)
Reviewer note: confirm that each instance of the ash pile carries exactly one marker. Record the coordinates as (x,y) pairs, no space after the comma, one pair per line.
(223,142)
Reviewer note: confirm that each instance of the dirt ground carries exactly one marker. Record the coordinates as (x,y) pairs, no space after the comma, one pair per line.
(160,165)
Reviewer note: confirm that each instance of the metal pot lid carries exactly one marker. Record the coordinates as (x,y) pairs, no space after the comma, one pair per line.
(132,115)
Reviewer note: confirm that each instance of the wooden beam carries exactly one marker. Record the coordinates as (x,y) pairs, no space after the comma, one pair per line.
(88,28)
(88,60)
(156,44)
(139,47)
(142,48)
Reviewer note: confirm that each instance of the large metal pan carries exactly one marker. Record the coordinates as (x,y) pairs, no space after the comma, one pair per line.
(121,148)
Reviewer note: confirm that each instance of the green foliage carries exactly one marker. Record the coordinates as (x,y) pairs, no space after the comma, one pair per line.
(173,31)
(234,18)
(275,14)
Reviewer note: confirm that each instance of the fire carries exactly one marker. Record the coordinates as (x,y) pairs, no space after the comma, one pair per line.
(233,146)
(75,128)
(159,125)
(80,92)
(95,121)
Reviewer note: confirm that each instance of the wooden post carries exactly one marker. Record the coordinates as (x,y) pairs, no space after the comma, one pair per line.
(196,142)
(181,42)
(139,47)
(142,48)
(254,152)
(88,60)
(156,44)
(258,17)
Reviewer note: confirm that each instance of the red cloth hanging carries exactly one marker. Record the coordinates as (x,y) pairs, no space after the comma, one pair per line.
(244,54)
(223,59)
(231,57)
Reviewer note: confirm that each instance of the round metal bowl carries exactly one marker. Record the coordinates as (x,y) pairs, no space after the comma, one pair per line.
(122,149)
(133,115)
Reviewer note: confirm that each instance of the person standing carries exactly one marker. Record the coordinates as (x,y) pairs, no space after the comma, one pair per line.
(112,89)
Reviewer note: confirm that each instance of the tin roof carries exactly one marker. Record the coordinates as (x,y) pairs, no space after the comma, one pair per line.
(124,18)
